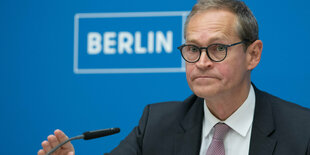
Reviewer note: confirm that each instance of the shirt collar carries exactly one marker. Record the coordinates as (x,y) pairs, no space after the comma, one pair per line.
(240,121)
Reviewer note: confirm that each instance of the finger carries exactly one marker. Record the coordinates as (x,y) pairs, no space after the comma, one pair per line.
(46,146)
(63,137)
(53,140)
(41,152)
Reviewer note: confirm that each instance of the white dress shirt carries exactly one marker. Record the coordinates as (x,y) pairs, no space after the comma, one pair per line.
(237,140)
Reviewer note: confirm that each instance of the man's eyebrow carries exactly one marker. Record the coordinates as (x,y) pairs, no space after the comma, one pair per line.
(210,41)
(191,41)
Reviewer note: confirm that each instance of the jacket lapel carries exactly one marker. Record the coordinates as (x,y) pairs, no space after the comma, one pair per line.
(263,127)
(188,136)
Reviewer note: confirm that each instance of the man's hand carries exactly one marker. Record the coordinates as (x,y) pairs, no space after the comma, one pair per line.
(53,141)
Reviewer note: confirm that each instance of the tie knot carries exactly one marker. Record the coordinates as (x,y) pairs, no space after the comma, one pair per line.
(220,130)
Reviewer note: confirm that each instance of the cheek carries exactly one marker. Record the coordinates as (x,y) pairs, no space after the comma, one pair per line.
(189,69)
(225,72)
(231,72)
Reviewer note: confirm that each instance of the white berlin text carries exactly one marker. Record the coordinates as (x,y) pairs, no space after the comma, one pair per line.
(127,43)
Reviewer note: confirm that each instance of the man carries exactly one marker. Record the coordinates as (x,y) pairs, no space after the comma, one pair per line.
(227,115)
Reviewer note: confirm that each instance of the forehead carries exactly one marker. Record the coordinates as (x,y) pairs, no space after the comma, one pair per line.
(211,25)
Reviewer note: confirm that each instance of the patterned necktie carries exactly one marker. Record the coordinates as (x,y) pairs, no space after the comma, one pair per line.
(217,145)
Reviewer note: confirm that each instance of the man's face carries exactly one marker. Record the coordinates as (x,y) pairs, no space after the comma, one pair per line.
(209,79)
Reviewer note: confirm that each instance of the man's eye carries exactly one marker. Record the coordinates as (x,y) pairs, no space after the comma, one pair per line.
(220,48)
(193,49)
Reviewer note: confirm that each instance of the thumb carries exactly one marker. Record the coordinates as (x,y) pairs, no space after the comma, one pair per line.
(71,153)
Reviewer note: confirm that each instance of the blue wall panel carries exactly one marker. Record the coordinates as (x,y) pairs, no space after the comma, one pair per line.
(40,92)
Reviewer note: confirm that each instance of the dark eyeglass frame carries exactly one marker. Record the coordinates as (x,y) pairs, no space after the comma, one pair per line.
(201,48)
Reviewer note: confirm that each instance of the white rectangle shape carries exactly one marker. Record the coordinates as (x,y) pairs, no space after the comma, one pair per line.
(78,16)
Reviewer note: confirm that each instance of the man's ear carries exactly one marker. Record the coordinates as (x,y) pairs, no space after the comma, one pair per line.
(254,52)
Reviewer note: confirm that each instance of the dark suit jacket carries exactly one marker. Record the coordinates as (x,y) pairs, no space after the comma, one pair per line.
(174,128)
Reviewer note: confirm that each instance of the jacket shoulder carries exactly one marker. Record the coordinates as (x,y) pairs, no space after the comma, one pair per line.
(289,118)
(171,110)
(280,105)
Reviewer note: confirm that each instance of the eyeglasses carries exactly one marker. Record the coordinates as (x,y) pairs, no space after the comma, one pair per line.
(215,52)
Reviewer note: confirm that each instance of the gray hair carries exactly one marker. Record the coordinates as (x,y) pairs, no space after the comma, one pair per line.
(246,25)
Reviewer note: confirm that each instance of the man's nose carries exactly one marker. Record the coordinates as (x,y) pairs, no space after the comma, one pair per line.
(204,61)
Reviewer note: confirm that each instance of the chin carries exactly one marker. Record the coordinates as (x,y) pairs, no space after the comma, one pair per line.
(205,92)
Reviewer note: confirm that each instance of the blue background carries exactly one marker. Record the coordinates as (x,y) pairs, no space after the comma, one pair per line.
(39,91)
